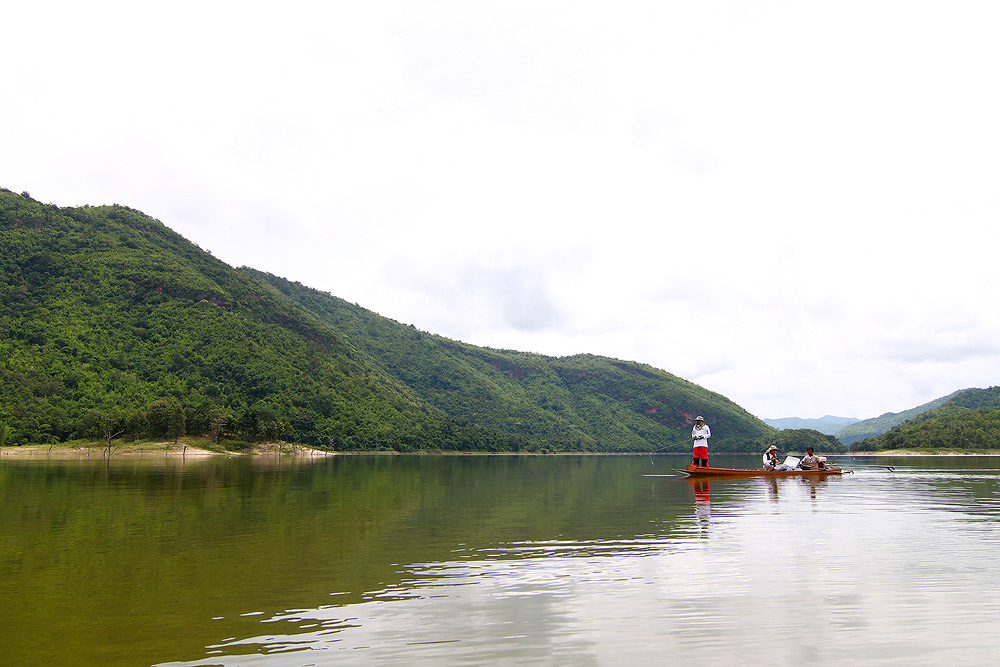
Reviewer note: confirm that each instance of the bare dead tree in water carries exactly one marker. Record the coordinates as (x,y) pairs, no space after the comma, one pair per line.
(109,423)
(110,435)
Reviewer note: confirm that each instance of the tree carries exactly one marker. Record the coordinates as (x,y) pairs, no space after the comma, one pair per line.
(106,424)
(136,424)
(216,425)
(175,428)
(110,429)
(166,418)
(5,432)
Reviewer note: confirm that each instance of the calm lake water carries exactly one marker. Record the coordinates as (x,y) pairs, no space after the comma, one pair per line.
(561,560)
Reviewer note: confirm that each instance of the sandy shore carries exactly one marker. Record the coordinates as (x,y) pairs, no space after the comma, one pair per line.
(170,449)
(97,451)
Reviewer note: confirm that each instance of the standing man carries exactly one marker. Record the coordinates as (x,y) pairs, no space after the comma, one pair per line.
(701,433)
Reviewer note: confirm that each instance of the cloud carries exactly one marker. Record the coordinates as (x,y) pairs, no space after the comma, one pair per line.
(784,203)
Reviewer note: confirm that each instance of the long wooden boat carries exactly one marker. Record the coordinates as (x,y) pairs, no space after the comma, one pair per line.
(700,471)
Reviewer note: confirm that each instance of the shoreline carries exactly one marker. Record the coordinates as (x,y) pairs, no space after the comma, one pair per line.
(196,450)
(161,449)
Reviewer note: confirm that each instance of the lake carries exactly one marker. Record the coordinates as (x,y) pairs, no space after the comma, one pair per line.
(496,560)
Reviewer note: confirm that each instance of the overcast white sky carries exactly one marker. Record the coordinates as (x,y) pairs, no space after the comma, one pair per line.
(790,203)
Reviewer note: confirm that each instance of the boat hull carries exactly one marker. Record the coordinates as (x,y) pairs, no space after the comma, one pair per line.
(699,471)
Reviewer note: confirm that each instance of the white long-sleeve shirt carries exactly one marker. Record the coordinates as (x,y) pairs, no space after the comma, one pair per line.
(701,434)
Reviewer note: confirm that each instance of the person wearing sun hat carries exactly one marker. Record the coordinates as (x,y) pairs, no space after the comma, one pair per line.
(701,433)
(771,458)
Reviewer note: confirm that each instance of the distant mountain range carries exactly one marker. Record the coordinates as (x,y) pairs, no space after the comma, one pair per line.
(966,420)
(828,425)
(875,426)
(114,325)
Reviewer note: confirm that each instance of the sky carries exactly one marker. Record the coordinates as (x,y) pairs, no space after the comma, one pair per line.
(790,203)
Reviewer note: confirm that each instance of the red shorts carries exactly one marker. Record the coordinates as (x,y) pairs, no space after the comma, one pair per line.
(700,452)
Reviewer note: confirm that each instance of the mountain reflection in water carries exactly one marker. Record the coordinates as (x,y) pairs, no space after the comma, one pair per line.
(459,560)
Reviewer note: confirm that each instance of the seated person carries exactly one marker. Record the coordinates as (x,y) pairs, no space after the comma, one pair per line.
(770,458)
(810,461)
(772,461)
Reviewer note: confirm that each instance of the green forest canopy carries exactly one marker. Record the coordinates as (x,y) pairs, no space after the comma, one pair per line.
(967,420)
(114,325)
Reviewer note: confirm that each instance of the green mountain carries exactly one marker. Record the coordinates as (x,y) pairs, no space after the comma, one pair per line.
(114,324)
(107,314)
(828,424)
(797,439)
(581,402)
(869,428)
(967,420)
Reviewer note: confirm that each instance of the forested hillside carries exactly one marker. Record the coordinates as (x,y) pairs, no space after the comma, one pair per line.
(968,420)
(112,324)
(869,428)
(581,402)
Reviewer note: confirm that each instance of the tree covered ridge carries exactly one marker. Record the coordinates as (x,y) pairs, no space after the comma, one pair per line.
(112,324)
(106,312)
(582,402)
(869,428)
(968,419)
